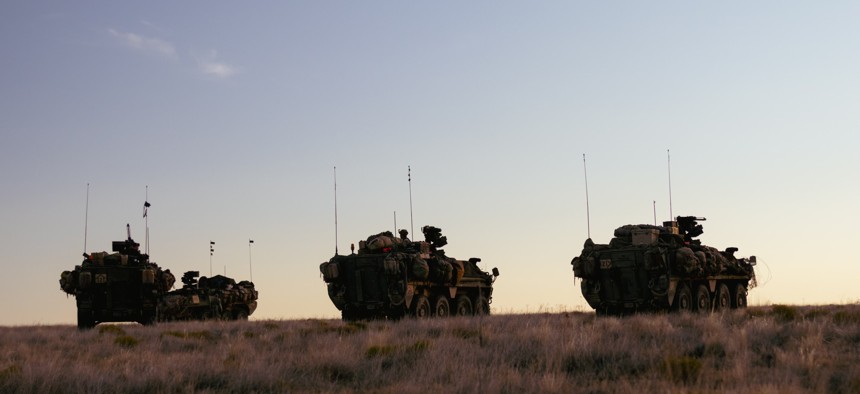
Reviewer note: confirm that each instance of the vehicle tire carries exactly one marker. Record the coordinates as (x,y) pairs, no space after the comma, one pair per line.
(241,314)
(85,320)
(702,299)
(723,299)
(396,313)
(482,306)
(149,317)
(739,297)
(421,308)
(463,306)
(441,306)
(683,299)
(348,316)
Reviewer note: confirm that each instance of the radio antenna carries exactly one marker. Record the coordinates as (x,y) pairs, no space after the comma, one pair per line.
(411,223)
(395,222)
(655,212)
(335,210)
(587,207)
(86,217)
(146,206)
(669,165)
(211,252)
(250,269)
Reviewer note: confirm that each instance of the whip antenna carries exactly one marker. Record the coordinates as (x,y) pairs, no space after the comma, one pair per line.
(655,212)
(211,252)
(86,217)
(411,223)
(250,269)
(146,206)
(395,222)
(669,165)
(335,210)
(587,207)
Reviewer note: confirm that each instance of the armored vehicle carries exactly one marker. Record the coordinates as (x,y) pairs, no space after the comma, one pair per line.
(391,277)
(123,286)
(218,297)
(659,268)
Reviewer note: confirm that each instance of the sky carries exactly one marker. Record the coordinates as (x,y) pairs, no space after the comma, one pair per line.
(231,118)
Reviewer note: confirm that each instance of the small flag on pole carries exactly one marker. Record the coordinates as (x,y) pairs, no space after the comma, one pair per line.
(146,205)
(250,241)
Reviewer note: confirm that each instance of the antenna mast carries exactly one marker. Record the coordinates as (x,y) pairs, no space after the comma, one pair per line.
(86,217)
(250,268)
(211,252)
(669,165)
(335,210)
(395,222)
(411,223)
(146,216)
(587,207)
(655,212)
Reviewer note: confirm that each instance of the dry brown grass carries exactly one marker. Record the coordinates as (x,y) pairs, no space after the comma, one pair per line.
(774,349)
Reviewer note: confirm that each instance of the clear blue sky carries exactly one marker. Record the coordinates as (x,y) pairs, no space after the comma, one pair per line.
(234,116)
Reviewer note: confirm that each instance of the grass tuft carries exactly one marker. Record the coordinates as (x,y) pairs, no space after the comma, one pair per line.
(682,369)
(846,317)
(465,333)
(784,313)
(324,327)
(337,373)
(379,351)
(10,372)
(418,347)
(126,341)
(111,329)
(203,334)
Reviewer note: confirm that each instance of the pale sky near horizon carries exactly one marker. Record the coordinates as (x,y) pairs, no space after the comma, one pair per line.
(234,116)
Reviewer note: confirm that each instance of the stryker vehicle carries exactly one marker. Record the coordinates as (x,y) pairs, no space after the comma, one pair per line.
(218,297)
(123,286)
(391,277)
(660,268)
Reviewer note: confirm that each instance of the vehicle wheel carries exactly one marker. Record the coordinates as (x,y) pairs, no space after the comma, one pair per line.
(241,314)
(348,316)
(703,299)
(441,307)
(739,298)
(723,301)
(482,306)
(421,309)
(149,318)
(396,313)
(463,306)
(683,299)
(85,320)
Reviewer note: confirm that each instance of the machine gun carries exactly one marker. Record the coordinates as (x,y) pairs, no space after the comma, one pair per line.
(689,228)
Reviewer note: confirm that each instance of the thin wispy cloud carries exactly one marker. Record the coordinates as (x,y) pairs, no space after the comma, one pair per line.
(145,44)
(210,66)
(154,26)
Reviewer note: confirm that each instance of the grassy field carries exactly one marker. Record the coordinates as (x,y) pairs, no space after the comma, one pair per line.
(773,349)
